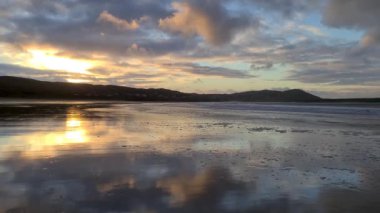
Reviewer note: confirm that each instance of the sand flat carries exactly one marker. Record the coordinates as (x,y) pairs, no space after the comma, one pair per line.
(188,157)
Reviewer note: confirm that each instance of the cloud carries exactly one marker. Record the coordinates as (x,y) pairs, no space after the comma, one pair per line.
(311,29)
(340,72)
(105,75)
(337,77)
(173,42)
(287,8)
(77,29)
(209,71)
(48,75)
(355,14)
(121,24)
(208,19)
(371,38)
(10,69)
(264,65)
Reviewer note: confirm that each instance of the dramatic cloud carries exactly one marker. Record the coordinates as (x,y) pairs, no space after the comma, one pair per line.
(356,14)
(208,19)
(195,45)
(87,27)
(106,17)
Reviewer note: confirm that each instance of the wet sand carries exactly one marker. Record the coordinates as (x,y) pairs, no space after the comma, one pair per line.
(188,157)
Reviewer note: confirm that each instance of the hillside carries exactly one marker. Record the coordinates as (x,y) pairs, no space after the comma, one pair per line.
(15,87)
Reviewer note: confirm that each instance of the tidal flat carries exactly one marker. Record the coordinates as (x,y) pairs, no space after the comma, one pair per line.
(88,156)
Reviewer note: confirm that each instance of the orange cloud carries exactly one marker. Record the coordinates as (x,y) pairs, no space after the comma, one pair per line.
(121,24)
(189,21)
(209,20)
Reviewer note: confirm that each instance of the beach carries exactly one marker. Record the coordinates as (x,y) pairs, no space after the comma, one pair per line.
(89,156)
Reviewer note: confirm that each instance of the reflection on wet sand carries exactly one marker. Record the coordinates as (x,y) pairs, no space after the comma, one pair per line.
(185,158)
(73,133)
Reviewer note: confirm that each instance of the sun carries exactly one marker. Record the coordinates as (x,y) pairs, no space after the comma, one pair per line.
(43,59)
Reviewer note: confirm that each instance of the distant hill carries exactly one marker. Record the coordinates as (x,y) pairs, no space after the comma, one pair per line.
(15,87)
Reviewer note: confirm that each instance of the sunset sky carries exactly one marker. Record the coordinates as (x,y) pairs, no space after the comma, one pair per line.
(328,47)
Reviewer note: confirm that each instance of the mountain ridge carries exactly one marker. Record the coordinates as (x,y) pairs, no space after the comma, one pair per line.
(18,87)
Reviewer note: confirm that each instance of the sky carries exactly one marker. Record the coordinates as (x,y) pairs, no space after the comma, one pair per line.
(330,48)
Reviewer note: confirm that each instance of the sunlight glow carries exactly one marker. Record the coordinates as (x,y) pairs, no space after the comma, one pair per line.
(73,123)
(72,80)
(75,136)
(48,60)
(75,132)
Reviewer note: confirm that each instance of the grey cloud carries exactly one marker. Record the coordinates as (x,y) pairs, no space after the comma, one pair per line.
(349,92)
(335,77)
(338,73)
(209,71)
(133,79)
(73,25)
(356,14)
(11,69)
(308,51)
(315,61)
(287,8)
(128,75)
(262,65)
(48,75)
(208,19)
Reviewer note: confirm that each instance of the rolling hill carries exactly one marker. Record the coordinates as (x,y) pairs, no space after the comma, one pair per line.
(16,87)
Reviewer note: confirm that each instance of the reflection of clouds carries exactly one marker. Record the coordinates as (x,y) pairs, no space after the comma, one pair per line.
(169,158)
(126,182)
(117,182)
(185,188)
(83,182)
(11,194)
(120,182)
(345,200)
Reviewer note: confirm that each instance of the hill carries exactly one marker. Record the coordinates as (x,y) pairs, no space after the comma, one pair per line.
(15,87)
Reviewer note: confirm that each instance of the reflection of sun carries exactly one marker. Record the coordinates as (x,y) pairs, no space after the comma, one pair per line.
(74,133)
(48,60)
(75,136)
(73,122)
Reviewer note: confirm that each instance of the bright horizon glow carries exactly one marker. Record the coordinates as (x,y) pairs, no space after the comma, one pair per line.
(73,123)
(77,81)
(42,59)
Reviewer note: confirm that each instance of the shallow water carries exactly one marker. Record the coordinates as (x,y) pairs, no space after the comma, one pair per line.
(188,157)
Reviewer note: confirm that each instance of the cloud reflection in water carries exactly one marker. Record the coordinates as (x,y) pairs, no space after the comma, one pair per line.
(183,158)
